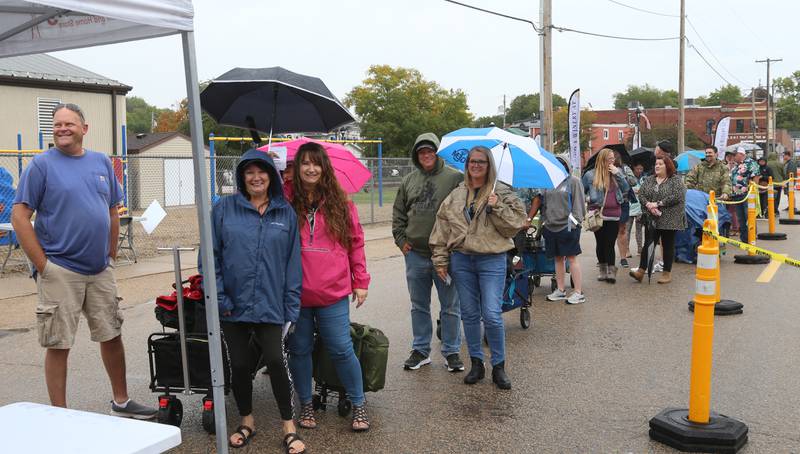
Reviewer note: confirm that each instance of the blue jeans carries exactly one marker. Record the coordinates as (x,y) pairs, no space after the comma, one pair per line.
(333,323)
(479,280)
(420,274)
(741,214)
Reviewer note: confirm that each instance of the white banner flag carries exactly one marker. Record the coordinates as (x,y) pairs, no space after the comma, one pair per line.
(574,118)
(636,144)
(721,136)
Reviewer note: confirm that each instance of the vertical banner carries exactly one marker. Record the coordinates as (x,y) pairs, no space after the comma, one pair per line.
(574,127)
(721,136)
(636,142)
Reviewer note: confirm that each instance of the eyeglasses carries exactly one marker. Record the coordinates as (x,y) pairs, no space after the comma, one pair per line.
(473,162)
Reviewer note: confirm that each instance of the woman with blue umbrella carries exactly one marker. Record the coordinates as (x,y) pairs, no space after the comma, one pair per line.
(473,231)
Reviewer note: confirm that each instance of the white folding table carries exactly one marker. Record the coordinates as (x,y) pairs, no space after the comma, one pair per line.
(36,428)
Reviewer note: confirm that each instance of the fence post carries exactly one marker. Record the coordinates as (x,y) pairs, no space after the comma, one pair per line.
(372,193)
(41,141)
(125,166)
(19,153)
(380,172)
(213,167)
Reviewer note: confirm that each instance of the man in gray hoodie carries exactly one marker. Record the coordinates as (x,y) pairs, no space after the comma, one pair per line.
(414,213)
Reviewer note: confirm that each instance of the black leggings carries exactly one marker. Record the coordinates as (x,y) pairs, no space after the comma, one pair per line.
(605,238)
(667,238)
(268,336)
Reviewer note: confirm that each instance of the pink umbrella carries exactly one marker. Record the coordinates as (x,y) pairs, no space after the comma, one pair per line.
(350,172)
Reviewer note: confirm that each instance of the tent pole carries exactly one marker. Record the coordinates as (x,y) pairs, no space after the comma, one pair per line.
(206,251)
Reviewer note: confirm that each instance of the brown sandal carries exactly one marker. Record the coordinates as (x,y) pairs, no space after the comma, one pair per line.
(290,438)
(307,414)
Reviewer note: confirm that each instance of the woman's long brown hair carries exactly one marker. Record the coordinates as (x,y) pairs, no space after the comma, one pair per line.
(328,195)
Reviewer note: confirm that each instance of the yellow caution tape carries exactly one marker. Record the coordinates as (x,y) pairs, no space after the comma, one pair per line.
(754,249)
(728,202)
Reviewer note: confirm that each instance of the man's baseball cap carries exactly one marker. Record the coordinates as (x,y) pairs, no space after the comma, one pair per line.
(425,144)
(741,150)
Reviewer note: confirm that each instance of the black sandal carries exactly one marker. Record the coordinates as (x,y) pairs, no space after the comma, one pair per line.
(307,414)
(245,437)
(290,438)
(360,417)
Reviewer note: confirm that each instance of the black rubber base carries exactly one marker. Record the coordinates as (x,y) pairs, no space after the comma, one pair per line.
(776,236)
(745,259)
(724,307)
(787,221)
(722,434)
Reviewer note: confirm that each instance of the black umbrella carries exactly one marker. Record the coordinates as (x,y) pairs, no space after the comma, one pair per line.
(620,147)
(273,100)
(645,156)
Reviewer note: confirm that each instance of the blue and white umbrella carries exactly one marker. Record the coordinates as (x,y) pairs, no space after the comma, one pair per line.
(688,160)
(518,160)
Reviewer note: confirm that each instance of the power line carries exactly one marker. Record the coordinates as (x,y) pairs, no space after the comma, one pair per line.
(644,10)
(707,63)
(532,24)
(712,52)
(628,38)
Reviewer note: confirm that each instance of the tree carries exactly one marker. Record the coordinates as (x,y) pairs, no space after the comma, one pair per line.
(561,129)
(139,114)
(524,107)
(647,96)
(788,104)
(397,104)
(169,120)
(727,94)
(484,122)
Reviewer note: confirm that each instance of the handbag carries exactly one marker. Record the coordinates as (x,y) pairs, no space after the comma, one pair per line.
(594,219)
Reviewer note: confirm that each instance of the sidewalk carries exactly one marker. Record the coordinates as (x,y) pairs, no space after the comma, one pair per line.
(16,285)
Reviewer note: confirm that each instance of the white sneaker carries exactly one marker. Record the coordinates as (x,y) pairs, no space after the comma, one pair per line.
(557,295)
(576,298)
(658,267)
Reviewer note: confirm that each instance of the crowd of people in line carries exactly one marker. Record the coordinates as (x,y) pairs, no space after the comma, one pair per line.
(289,256)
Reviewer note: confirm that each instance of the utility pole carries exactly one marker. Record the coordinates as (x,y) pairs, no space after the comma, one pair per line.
(753,124)
(768,61)
(546,68)
(681,70)
(504,111)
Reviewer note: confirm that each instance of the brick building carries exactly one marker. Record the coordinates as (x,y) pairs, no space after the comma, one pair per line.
(616,126)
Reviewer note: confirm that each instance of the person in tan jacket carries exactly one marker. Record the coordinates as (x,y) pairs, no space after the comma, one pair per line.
(473,231)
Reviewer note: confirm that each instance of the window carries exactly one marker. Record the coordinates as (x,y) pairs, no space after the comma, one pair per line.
(605,134)
(739,126)
(44,110)
(620,136)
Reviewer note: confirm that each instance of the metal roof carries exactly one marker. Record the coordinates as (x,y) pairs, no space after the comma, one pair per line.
(45,68)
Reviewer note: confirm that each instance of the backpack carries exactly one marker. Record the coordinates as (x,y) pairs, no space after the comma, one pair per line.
(372,350)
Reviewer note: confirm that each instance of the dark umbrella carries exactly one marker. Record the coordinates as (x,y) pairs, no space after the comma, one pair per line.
(645,156)
(273,100)
(651,250)
(620,147)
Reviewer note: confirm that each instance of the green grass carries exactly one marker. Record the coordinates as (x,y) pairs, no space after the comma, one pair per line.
(363,198)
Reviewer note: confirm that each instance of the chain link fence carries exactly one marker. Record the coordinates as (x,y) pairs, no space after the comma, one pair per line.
(169,180)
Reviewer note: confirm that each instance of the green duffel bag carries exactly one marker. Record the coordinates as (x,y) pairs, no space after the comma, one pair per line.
(371,347)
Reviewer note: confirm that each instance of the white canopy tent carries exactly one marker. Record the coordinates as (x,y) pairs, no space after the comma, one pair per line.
(29,27)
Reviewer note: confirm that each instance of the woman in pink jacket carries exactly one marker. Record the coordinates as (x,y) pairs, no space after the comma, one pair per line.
(334,267)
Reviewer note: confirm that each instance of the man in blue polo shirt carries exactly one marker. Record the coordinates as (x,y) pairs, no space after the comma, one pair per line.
(72,246)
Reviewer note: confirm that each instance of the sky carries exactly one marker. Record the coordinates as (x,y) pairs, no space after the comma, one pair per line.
(485,56)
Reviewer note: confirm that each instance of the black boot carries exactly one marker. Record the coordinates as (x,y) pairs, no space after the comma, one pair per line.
(499,376)
(476,373)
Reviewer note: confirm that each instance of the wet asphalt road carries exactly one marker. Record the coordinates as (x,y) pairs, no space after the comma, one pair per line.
(586,378)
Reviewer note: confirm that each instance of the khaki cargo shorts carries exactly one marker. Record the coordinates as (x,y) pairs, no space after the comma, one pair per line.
(64,294)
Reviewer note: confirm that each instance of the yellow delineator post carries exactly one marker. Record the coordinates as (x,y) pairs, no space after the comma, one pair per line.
(790,219)
(698,428)
(751,258)
(771,234)
(706,294)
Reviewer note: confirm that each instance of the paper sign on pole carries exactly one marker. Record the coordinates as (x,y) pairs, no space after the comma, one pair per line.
(278,155)
(721,136)
(152,216)
(574,117)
